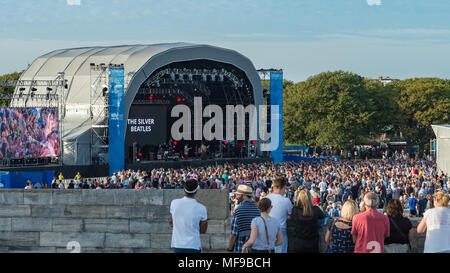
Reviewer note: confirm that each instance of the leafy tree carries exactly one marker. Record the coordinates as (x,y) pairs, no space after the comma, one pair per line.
(331,108)
(422,102)
(9,89)
(385,118)
(287,83)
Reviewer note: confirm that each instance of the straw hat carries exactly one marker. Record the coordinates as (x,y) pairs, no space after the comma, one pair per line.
(245,189)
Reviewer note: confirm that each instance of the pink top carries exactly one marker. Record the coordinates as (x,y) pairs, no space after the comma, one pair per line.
(370,228)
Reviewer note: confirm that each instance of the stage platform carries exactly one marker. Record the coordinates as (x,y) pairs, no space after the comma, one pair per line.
(103,170)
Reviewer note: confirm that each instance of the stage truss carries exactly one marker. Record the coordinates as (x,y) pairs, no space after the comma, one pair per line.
(99,106)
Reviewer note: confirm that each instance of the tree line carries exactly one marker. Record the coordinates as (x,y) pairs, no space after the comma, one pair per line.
(343,109)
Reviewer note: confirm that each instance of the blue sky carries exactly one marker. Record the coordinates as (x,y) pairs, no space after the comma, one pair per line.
(397,38)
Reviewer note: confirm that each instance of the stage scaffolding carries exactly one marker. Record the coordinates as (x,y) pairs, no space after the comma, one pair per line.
(99,105)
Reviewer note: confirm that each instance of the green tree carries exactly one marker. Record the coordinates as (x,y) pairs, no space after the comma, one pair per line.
(422,102)
(10,89)
(331,108)
(385,118)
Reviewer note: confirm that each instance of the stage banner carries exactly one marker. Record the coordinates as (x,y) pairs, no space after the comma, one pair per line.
(116,134)
(276,99)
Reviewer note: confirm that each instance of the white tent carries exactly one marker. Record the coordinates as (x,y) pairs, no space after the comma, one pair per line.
(442,133)
(139,61)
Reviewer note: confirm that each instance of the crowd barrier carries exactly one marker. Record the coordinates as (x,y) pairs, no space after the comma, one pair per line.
(18,180)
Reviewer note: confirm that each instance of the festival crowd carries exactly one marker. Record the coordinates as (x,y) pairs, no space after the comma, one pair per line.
(330,183)
(344,196)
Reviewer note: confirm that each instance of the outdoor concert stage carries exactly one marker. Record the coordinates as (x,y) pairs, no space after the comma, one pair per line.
(118,102)
(98,110)
(102,170)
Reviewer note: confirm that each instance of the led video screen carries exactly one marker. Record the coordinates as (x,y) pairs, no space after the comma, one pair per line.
(147,125)
(29,132)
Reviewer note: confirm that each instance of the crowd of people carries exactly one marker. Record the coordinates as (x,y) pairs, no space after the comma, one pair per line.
(28,132)
(411,181)
(345,196)
(260,227)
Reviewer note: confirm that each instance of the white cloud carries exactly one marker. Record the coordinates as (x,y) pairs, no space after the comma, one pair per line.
(73,2)
(373,2)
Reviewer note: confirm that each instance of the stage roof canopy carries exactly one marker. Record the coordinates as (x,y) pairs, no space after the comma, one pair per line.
(139,61)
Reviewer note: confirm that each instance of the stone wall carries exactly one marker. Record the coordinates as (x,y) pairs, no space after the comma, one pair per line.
(109,221)
(101,220)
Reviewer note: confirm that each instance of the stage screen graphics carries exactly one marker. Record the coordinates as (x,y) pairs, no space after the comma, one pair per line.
(29,132)
(147,125)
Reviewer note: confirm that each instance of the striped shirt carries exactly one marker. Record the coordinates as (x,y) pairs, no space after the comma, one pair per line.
(241,222)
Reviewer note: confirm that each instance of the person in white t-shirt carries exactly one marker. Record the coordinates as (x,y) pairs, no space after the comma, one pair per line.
(323,189)
(436,222)
(189,220)
(281,210)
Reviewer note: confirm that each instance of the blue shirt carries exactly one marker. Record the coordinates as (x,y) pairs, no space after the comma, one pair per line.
(334,212)
(412,203)
(422,205)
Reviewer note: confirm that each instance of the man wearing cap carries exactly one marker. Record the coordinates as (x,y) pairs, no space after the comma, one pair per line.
(242,218)
(189,220)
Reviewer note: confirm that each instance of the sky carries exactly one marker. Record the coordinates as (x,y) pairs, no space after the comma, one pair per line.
(396,38)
